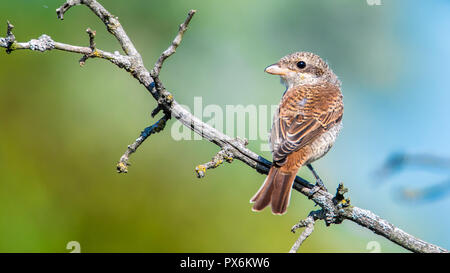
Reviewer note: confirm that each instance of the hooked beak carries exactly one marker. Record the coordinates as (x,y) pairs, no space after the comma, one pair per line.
(275,69)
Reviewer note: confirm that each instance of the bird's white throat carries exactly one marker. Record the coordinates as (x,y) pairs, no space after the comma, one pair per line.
(296,79)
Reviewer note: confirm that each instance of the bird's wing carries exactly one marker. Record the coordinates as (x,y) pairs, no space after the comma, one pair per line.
(298,124)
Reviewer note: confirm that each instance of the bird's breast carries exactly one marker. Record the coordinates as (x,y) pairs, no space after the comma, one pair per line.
(323,143)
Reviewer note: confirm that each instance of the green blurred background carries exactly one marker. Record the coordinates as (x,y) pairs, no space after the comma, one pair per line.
(63,127)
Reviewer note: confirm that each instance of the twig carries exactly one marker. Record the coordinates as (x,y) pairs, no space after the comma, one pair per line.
(217,160)
(173,47)
(166,54)
(132,62)
(91,34)
(308,224)
(111,22)
(10,39)
(45,43)
(175,43)
(225,154)
(122,165)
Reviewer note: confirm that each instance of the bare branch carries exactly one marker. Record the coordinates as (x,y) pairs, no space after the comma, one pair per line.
(334,208)
(45,43)
(111,22)
(122,165)
(10,39)
(217,160)
(382,227)
(308,224)
(159,87)
(69,3)
(173,47)
(91,34)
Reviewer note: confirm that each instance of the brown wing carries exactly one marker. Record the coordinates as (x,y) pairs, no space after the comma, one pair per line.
(303,115)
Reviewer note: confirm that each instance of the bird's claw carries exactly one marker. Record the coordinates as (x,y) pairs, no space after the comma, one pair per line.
(313,191)
(319,186)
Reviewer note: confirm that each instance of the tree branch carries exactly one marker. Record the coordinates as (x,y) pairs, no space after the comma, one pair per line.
(173,47)
(334,208)
(45,43)
(122,165)
(308,224)
(216,161)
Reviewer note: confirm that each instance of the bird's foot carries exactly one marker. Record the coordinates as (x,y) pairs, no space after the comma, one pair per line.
(319,186)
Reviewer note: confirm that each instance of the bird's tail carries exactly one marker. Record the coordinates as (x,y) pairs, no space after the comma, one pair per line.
(276,191)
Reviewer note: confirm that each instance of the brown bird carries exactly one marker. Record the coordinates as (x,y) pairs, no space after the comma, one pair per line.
(305,125)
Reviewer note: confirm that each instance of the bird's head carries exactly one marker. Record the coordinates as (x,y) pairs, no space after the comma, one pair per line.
(303,68)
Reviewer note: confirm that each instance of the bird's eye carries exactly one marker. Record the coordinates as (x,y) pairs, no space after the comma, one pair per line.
(301,64)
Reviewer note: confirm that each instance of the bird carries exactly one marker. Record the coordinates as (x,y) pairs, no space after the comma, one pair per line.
(305,126)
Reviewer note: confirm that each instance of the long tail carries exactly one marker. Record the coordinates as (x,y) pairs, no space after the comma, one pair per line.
(276,191)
